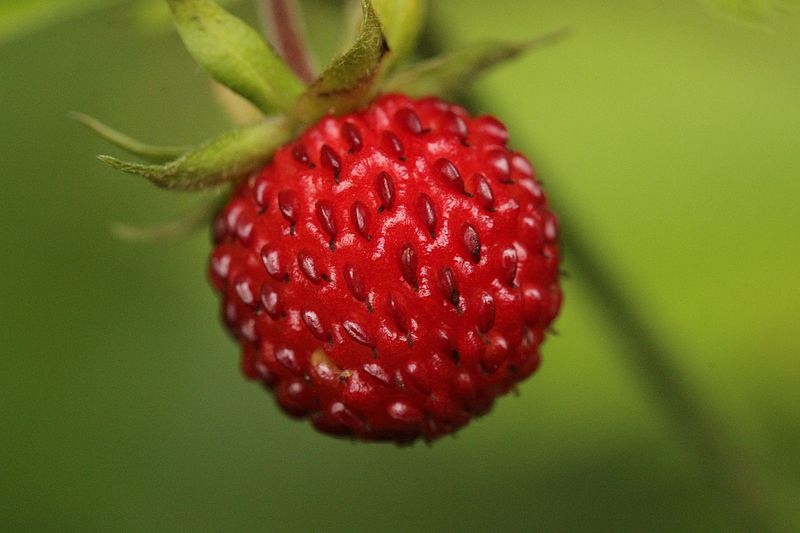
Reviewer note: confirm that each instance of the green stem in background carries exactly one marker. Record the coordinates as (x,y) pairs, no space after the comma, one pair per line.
(284,29)
(728,464)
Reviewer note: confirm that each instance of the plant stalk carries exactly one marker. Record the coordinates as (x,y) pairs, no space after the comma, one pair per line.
(727,462)
(284,29)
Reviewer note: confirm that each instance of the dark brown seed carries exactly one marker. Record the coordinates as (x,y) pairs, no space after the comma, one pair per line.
(326,220)
(404,412)
(288,205)
(393,144)
(271,302)
(493,129)
(244,289)
(398,313)
(448,173)
(357,333)
(260,193)
(354,283)
(472,243)
(498,161)
(508,262)
(449,286)
(409,120)
(352,136)
(442,339)
(331,161)
(483,191)
(385,187)
(272,262)
(314,325)
(378,372)
(427,213)
(221,265)
(360,217)
(287,358)
(408,265)
(301,156)
(308,266)
(486,313)
(347,418)
(244,227)
(455,124)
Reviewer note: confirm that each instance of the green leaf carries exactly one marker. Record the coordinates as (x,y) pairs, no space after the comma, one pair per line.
(348,81)
(148,152)
(226,159)
(402,21)
(235,54)
(172,230)
(451,72)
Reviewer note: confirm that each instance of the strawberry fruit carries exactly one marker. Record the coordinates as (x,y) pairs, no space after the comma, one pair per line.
(390,270)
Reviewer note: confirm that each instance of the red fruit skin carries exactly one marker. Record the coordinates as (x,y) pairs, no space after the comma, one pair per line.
(391,272)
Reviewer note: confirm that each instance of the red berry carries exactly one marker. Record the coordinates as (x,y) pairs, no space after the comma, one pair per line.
(391,272)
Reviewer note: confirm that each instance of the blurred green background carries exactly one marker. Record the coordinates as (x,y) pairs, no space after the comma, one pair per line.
(670,139)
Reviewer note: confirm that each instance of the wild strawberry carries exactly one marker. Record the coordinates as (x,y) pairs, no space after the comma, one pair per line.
(392,271)
(393,268)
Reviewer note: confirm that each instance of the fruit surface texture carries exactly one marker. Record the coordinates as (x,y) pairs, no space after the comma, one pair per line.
(391,272)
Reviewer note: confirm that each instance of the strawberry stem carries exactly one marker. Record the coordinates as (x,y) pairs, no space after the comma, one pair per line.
(285,33)
(728,463)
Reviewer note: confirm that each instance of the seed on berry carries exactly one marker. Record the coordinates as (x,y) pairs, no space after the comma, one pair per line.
(271,258)
(326,220)
(354,283)
(409,120)
(472,243)
(360,217)
(427,213)
(393,145)
(288,205)
(308,266)
(449,286)
(449,174)
(352,136)
(483,191)
(408,264)
(328,159)
(314,324)
(385,187)
(271,302)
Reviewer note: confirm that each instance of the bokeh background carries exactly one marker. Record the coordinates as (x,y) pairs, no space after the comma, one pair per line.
(669,137)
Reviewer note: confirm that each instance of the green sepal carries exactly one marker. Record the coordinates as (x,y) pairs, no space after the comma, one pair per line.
(349,80)
(225,159)
(171,230)
(452,72)
(148,152)
(402,21)
(235,54)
